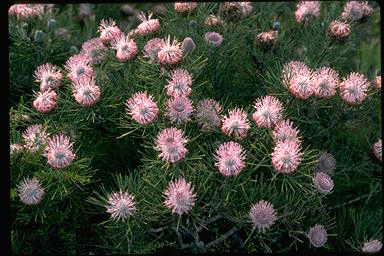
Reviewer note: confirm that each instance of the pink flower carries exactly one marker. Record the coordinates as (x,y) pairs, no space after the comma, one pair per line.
(246,8)
(317,235)
(59,151)
(86,92)
(377,150)
(353,88)
(378,82)
(229,158)
(121,205)
(30,191)
(171,143)
(284,131)
(35,137)
(95,50)
(307,8)
(25,12)
(179,196)
(170,53)
(208,114)
(15,148)
(45,101)
(179,109)
(78,66)
(235,124)
(367,9)
(353,10)
(268,112)
(286,156)
(108,30)
(213,38)
(372,246)
(142,108)
(126,48)
(152,47)
(48,76)
(339,29)
(301,86)
(292,69)
(185,7)
(267,38)
(147,26)
(323,182)
(324,82)
(262,215)
(180,83)
(213,20)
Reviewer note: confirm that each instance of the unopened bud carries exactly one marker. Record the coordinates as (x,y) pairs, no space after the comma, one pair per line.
(39,36)
(188,45)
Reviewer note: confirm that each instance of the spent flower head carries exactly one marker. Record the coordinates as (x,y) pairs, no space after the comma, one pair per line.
(317,235)
(35,137)
(94,50)
(185,7)
(372,246)
(325,163)
(208,114)
(30,191)
(213,38)
(179,109)
(323,182)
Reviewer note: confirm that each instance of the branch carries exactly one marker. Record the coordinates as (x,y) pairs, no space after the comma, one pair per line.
(222,238)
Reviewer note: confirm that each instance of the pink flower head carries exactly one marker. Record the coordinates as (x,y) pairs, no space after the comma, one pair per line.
(323,182)
(126,48)
(213,20)
(284,131)
(262,215)
(171,143)
(267,38)
(30,191)
(307,8)
(339,29)
(78,66)
(121,205)
(185,7)
(377,150)
(301,86)
(246,8)
(229,158)
(59,151)
(48,76)
(372,246)
(317,235)
(95,50)
(286,156)
(15,148)
(208,114)
(108,30)
(324,82)
(353,10)
(35,137)
(367,9)
(353,88)
(235,124)
(268,112)
(147,26)
(180,83)
(213,38)
(142,107)
(170,53)
(378,82)
(45,101)
(86,92)
(293,69)
(152,47)
(25,12)
(179,109)
(179,196)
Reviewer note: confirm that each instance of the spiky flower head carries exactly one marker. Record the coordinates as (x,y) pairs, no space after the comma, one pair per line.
(121,205)
(339,29)
(45,101)
(317,235)
(108,30)
(367,9)
(231,11)
(377,150)
(95,50)
(246,8)
(171,143)
(179,196)
(213,38)
(325,163)
(180,83)
(208,114)
(323,182)
(30,191)
(372,246)
(59,151)
(229,158)
(147,26)
(78,66)
(268,111)
(262,215)
(284,131)
(352,10)
(325,80)
(306,9)
(142,107)
(179,109)
(152,47)
(86,92)
(185,7)
(286,156)
(25,12)
(378,82)
(49,76)
(301,86)
(292,69)
(213,20)
(267,38)
(35,137)
(235,124)
(126,48)
(170,53)
(15,148)
(353,88)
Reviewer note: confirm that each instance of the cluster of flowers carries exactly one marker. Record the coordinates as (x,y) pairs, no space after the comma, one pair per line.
(26,12)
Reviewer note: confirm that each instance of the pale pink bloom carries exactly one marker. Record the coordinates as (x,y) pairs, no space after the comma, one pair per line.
(353,88)
(25,12)
(301,86)
(325,80)
(171,143)
(49,76)
(180,83)
(108,30)
(292,69)
(170,53)
(268,112)
(213,38)
(378,82)
(126,48)
(353,10)
(377,150)
(15,148)
(235,124)
(78,66)
(45,101)
(317,235)
(267,38)
(323,182)
(30,191)
(147,26)
(35,137)
(152,47)
(284,131)
(208,114)
(94,50)
(86,92)
(121,205)
(367,9)
(59,151)
(185,7)
(372,246)
(142,107)
(286,156)
(339,29)
(246,8)
(179,109)
(213,20)
(262,215)
(179,196)
(307,8)
(229,158)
